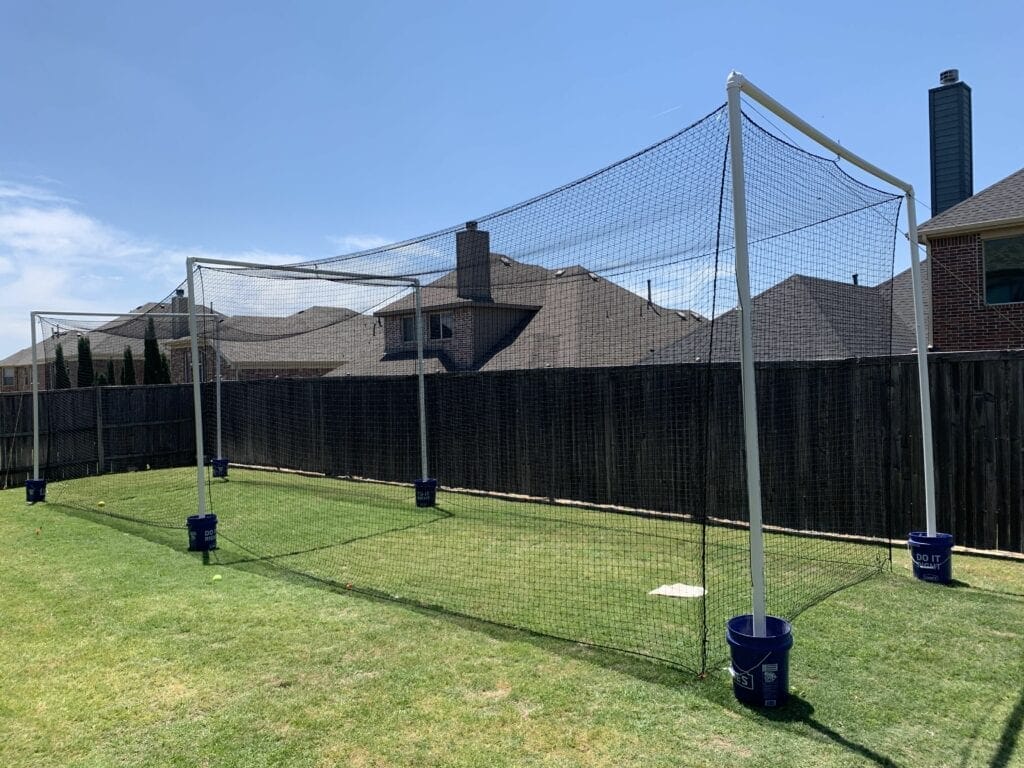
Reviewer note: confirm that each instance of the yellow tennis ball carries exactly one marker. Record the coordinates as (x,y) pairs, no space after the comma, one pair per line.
(215,577)
(101,503)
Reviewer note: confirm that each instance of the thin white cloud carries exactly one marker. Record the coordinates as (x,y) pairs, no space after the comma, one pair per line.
(346,244)
(10,190)
(53,256)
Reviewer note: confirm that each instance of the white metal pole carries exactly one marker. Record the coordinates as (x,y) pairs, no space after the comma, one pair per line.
(739,206)
(216,352)
(420,382)
(751,90)
(314,272)
(922,366)
(197,392)
(116,315)
(35,401)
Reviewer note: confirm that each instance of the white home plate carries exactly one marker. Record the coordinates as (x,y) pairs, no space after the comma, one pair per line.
(678,590)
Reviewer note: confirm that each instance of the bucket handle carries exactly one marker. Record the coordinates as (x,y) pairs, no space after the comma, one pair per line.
(733,671)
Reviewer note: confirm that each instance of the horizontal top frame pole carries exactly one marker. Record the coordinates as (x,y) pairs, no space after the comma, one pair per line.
(325,274)
(736,82)
(59,313)
(771,104)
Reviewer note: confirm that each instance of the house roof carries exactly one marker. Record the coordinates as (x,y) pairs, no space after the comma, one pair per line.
(1000,205)
(319,337)
(574,319)
(23,357)
(107,340)
(808,318)
(513,285)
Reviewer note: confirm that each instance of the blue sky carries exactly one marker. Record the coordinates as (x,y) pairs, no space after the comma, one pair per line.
(136,134)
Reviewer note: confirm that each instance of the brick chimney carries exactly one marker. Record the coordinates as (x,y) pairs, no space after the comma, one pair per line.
(179,325)
(473,263)
(949,125)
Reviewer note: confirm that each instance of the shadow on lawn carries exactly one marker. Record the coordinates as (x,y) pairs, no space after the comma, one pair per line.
(1010,734)
(715,687)
(799,710)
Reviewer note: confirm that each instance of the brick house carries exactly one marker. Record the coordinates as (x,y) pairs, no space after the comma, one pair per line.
(107,342)
(307,343)
(976,249)
(494,313)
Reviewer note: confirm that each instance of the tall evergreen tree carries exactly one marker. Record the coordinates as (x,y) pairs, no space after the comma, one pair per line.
(61,379)
(110,372)
(165,369)
(151,369)
(86,375)
(128,367)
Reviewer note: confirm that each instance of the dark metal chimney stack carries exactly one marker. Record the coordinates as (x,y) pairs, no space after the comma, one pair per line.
(473,263)
(949,122)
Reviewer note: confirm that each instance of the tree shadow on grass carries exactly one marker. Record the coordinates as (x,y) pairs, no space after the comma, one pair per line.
(1011,733)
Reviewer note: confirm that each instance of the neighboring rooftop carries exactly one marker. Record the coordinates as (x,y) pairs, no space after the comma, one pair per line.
(1000,205)
(809,318)
(574,318)
(320,337)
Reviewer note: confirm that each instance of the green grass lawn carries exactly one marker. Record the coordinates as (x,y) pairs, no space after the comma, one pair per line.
(122,650)
(567,572)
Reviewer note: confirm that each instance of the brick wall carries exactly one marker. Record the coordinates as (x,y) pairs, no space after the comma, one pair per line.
(961,320)
(459,348)
(477,330)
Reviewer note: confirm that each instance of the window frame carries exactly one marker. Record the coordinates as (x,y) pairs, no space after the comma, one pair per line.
(439,316)
(1019,236)
(13,374)
(411,321)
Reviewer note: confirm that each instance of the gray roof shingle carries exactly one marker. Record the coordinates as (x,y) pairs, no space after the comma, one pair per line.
(808,318)
(1001,204)
(577,319)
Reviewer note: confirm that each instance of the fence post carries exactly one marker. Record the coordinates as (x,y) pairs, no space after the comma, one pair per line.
(100,458)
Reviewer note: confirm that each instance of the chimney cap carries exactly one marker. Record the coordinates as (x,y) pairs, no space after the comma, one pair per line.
(179,292)
(470,225)
(949,76)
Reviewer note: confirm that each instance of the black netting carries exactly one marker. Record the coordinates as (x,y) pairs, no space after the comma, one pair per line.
(582,401)
(116,417)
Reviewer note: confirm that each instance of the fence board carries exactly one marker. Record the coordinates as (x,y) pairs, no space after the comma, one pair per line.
(840,441)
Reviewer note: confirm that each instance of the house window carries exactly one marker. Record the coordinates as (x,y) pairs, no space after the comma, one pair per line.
(8,377)
(1004,270)
(188,367)
(442,325)
(409,328)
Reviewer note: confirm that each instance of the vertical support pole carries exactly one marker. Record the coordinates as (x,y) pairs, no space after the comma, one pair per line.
(922,366)
(197,392)
(216,352)
(739,205)
(420,383)
(35,401)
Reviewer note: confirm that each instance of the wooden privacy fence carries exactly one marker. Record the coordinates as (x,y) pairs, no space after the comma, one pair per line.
(96,430)
(840,441)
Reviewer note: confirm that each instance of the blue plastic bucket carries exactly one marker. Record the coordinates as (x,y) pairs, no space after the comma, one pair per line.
(426,492)
(760,665)
(932,556)
(220,467)
(202,533)
(35,491)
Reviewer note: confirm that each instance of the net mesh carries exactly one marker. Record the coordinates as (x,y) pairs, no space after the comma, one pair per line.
(582,401)
(109,412)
